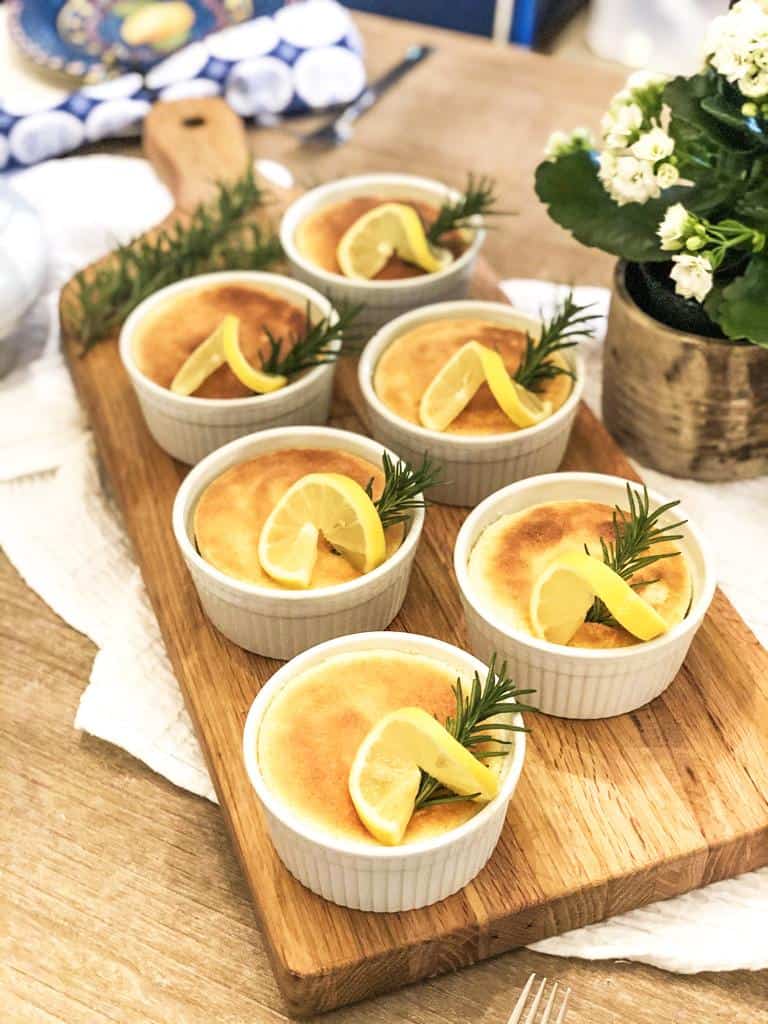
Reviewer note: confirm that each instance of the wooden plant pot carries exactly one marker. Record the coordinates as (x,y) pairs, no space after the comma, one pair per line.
(681,403)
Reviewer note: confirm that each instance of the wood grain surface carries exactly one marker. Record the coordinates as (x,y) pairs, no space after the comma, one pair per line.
(124,904)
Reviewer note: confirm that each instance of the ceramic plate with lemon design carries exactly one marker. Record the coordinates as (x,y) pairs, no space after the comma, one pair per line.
(92,38)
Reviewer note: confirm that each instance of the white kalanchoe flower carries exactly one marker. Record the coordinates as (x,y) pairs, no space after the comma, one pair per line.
(621,124)
(635,162)
(561,143)
(737,47)
(675,227)
(645,79)
(627,179)
(654,145)
(755,84)
(667,175)
(692,276)
(556,145)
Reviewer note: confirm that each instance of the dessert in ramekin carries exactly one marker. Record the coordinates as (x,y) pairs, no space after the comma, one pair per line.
(218,520)
(322,704)
(164,330)
(314,225)
(481,450)
(508,542)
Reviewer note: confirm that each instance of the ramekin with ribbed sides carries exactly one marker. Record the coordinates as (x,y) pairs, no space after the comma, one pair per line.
(189,427)
(473,465)
(574,682)
(369,876)
(278,623)
(382,299)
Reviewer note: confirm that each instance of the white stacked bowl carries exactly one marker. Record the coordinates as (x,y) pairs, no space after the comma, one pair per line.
(367,876)
(473,466)
(573,682)
(279,623)
(189,428)
(382,300)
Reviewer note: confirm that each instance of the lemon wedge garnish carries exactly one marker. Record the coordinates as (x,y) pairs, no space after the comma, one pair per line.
(223,346)
(564,593)
(368,244)
(320,503)
(456,383)
(386,773)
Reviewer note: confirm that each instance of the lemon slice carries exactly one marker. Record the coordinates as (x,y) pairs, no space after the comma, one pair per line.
(256,380)
(320,503)
(385,775)
(563,595)
(204,360)
(367,245)
(456,383)
(223,346)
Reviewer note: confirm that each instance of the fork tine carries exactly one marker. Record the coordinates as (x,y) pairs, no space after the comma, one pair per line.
(564,1007)
(548,1007)
(531,1018)
(517,1013)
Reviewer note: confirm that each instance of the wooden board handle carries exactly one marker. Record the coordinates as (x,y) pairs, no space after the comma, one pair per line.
(194,143)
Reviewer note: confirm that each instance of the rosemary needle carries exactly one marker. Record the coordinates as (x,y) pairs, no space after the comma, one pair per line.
(403,487)
(477,200)
(314,347)
(634,533)
(471,725)
(565,329)
(213,238)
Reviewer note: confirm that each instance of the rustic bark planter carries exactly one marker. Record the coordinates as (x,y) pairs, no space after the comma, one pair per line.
(681,403)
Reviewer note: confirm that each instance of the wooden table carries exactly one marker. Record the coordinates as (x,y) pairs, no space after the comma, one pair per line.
(120,899)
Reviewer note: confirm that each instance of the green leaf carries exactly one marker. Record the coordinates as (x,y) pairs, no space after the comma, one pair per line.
(699,102)
(740,307)
(577,200)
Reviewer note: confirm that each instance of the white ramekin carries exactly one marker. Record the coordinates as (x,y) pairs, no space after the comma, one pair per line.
(572,682)
(473,466)
(382,300)
(380,878)
(279,623)
(188,428)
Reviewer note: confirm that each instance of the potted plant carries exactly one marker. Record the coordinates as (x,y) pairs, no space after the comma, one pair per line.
(677,188)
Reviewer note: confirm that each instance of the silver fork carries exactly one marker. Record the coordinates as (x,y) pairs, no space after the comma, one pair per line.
(549,1008)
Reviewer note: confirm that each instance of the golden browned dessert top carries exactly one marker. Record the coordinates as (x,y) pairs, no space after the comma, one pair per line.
(233,509)
(172,331)
(512,553)
(408,366)
(312,730)
(318,236)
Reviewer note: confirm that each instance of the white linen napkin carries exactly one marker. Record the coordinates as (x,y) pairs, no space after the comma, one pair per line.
(79,559)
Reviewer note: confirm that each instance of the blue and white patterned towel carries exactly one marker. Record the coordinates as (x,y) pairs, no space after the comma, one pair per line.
(306,56)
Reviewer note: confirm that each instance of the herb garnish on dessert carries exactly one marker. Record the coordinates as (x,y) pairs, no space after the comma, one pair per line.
(372,238)
(355,774)
(582,574)
(217,236)
(475,376)
(304,518)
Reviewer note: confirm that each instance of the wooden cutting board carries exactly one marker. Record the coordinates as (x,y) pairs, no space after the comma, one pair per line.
(608,816)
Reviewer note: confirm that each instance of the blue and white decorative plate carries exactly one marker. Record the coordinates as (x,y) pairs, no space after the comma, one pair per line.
(93,38)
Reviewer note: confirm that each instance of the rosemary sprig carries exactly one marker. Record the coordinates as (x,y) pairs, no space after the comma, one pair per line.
(563,330)
(634,532)
(213,238)
(478,199)
(312,348)
(471,725)
(403,487)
